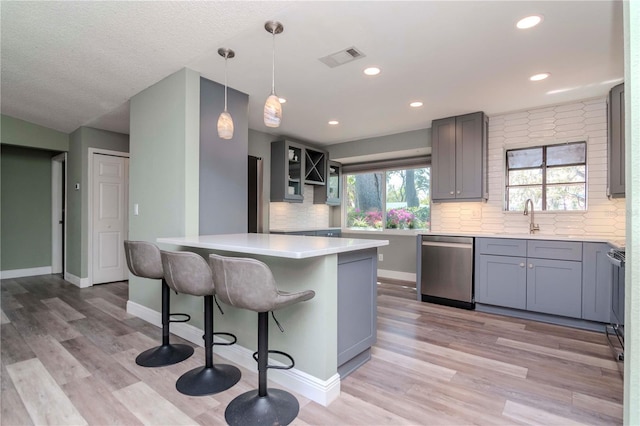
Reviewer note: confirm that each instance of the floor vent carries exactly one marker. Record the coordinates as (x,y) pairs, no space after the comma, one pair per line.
(342,57)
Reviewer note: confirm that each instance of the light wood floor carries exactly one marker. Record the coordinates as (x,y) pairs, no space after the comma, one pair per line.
(67,357)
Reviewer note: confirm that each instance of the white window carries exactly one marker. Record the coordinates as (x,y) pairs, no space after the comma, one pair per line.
(396,198)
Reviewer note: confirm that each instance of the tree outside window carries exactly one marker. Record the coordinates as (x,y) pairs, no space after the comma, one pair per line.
(404,193)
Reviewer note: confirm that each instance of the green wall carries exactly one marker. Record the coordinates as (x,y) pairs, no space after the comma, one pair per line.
(26,208)
(399,255)
(164,173)
(77,200)
(23,133)
(632,146)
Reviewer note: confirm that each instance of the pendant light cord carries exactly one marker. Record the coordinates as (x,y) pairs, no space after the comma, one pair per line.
(226,56)
(273,63)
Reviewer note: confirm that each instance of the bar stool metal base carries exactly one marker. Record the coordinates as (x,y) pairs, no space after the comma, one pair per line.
(208,380)
(164,355)
(276,408)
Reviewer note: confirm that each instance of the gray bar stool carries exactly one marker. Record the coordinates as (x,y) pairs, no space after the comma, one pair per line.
(189,273)
(249,284)
(143,260)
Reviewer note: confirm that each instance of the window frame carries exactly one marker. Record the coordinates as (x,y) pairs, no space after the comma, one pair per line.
(543,168)
(384,169)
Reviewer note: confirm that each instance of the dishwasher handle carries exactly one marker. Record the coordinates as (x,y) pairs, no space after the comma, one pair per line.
(444,244)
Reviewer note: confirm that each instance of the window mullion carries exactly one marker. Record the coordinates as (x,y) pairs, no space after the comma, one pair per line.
(384,199)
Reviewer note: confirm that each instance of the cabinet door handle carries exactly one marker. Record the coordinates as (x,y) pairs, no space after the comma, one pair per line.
(451,192)
(531,266)
(522,264)
(458,191)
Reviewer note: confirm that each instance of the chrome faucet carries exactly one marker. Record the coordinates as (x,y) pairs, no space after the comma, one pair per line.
(533,227)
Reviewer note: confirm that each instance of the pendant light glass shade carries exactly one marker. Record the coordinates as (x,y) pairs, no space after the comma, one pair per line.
(225,126)
(225,122)
(273,107)
(272,111)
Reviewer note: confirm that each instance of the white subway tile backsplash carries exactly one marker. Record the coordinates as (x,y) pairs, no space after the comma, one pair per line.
(542,113)
(586,120)
(577,106)
(569,120)
(299,215)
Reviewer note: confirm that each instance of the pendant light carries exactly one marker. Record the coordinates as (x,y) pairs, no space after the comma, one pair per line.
(225,122)
(272,107)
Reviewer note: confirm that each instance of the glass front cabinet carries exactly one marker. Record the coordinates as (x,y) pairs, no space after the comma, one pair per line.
(287,171)
(331,193)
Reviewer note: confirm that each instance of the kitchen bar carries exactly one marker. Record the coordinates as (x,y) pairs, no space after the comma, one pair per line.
(331,335)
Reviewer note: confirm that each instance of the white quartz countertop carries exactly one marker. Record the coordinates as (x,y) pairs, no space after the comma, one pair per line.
(288,246)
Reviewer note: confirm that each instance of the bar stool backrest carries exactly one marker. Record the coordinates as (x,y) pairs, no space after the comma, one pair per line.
(244,283)
(143,259)
(187,273)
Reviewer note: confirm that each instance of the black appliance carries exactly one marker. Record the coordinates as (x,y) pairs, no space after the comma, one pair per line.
(254,203)
(615,331)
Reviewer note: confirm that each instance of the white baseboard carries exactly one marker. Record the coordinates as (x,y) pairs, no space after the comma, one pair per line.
(28,272)
(78,282)
(397,275)
(321,391)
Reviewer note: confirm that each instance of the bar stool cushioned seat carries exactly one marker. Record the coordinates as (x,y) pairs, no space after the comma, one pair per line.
(249,284)
(189,273)
(143,260)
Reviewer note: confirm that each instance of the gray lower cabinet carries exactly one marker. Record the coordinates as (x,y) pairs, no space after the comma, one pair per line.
(597,274)
(554,287)
(357,308)
(317,233)
(565,278)
(501,281)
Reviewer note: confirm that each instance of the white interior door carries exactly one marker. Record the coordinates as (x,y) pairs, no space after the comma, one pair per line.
(109,211)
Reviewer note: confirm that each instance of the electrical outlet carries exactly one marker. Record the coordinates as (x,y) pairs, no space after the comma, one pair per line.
(380,257)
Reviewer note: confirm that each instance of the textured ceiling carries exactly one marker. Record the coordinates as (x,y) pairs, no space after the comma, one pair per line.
(68,64)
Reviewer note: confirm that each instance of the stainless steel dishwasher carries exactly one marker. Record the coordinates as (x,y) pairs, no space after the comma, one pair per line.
(446,275)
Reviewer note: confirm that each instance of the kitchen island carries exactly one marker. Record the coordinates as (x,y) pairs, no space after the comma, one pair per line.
(330,335)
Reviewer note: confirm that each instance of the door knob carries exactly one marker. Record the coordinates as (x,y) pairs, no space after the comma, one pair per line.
(458,191)
(522,265)
(531,266)
(451,192)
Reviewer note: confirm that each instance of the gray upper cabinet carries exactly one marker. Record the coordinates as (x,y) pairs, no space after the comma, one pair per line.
(331,193)
(287,171)
(616,187)
(596,282)
(315,166)
(459,158)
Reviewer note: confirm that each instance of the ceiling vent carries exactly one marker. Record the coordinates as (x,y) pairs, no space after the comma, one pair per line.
(342,57)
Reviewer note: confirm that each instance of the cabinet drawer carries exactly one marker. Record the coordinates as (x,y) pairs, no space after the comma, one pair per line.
(558,250)
(502,246)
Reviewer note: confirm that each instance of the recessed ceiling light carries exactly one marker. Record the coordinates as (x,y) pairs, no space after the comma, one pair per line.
(372,71)
(529,22)
(416,104)
(334,122)
(538,77)
(282,100)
